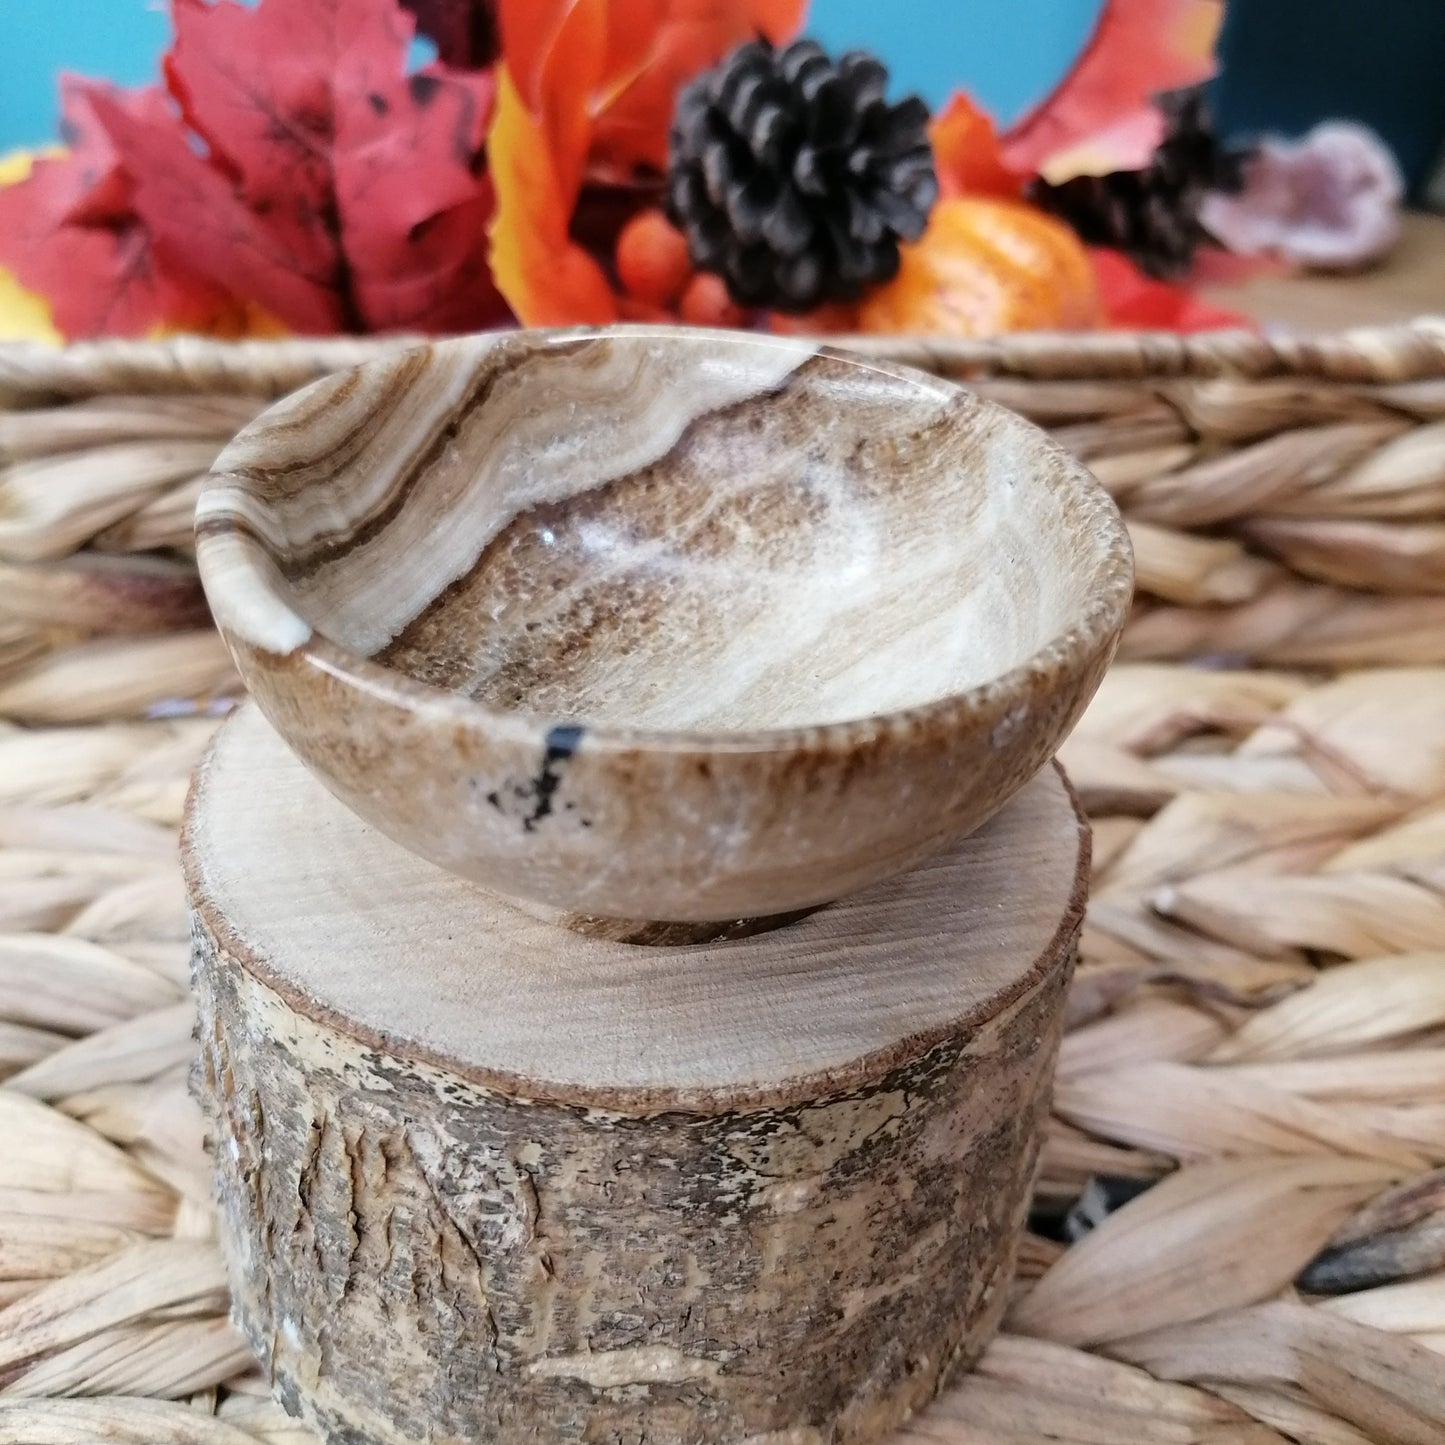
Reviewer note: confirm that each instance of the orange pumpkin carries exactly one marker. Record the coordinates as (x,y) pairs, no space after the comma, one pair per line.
(986,266)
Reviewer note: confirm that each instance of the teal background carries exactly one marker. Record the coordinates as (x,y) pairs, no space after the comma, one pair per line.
(1006,52)
(1287,63)
(120,39)
(1291,63)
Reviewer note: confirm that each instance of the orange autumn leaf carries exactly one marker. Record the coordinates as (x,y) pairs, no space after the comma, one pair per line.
(617,36)
(985,266)
(536,152)
(966,153)
(684,37)
(546,278)
(528,31)
(1100,117)
(639,54)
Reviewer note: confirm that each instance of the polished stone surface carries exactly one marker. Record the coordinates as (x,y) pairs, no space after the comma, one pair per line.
(662,624)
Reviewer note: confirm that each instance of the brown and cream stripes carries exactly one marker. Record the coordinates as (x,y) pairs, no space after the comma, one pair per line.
(649,623)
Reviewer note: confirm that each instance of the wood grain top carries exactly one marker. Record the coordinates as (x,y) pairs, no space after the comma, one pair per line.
(345,923)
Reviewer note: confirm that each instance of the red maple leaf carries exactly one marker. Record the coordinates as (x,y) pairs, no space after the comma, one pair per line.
(1132,301)
(70,231)
(1101,116)
(331,188)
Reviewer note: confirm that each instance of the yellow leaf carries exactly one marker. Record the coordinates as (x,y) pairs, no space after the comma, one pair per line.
(24,315)
(17,165)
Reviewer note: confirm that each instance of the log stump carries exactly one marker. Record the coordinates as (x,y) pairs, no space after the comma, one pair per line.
(484,1179)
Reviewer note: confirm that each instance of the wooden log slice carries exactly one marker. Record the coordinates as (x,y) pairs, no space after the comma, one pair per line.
(485,1179)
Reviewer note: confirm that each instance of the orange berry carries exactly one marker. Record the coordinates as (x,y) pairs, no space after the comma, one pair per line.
(833,318)
(706,303)
(629,308)
(652,258)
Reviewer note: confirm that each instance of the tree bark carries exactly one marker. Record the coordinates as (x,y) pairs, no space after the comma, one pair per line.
(796,1239)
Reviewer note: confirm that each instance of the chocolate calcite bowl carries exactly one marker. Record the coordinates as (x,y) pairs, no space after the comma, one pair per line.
(655,624)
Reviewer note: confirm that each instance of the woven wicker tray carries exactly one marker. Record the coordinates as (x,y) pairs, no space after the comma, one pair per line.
(1286,497)
(1257,1024)
(1257,1037)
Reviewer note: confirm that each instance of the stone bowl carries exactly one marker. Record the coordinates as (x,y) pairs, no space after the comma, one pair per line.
(649,627)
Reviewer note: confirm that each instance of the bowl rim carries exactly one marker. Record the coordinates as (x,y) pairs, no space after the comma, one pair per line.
(1097,628)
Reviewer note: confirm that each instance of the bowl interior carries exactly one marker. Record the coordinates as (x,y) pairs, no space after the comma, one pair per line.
(672,531)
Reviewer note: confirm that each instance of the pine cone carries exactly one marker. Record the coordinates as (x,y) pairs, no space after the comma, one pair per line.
(793,178)
(1152,214)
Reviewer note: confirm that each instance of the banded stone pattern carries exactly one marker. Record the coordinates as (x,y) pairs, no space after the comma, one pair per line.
(665,545)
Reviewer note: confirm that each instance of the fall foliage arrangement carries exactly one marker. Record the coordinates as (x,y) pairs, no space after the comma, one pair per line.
(588,161)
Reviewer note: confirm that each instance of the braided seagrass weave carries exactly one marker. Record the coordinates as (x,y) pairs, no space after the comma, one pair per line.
(1286,496)
(1239,1226)
(1256,1025)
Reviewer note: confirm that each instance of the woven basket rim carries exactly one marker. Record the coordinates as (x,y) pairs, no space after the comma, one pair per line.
(32,373)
